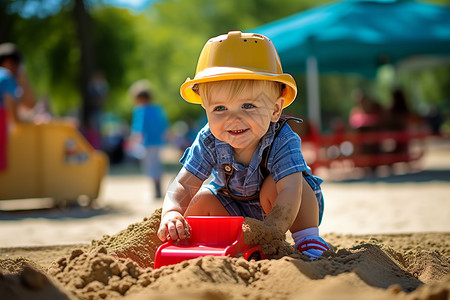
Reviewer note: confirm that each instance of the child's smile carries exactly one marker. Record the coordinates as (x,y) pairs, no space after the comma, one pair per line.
(243,120)
(238,132)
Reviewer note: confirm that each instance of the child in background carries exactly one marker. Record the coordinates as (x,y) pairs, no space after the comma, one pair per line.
(14,91)
(148,132)
(255,159)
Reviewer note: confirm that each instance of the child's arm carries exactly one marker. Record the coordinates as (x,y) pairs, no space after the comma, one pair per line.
(177,199)
(287,203)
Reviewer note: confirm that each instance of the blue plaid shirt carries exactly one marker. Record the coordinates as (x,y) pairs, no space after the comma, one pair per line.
(207,154)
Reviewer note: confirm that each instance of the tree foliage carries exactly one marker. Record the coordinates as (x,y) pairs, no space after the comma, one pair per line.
(162,44)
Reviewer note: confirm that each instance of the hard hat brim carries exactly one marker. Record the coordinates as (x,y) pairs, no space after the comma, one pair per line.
(227,73)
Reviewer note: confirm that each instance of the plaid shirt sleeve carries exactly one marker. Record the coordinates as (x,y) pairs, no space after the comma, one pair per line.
(199,158)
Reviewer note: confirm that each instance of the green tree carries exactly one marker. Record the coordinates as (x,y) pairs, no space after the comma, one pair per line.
(162,44)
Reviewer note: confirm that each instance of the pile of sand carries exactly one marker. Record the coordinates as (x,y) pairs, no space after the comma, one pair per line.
(415,266)
(138,242)
(97,274)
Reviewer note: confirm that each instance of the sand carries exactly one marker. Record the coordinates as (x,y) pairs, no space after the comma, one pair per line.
(398,266)
(390,238)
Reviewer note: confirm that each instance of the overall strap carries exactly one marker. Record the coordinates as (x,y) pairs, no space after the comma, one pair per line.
(228,169)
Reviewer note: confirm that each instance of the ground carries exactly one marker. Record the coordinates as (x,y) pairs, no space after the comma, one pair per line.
(390,236)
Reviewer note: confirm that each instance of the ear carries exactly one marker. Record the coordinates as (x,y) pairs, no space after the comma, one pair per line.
(277,109)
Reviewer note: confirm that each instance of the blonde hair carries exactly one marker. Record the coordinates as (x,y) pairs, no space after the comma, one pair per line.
(234,88)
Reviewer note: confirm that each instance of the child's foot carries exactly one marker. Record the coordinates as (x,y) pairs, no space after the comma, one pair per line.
(313,246)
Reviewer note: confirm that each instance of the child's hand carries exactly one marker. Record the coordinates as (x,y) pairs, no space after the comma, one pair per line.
(173,225)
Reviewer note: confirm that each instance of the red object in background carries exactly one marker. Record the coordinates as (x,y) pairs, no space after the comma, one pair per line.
(3,139)
(218,236)
(364,149)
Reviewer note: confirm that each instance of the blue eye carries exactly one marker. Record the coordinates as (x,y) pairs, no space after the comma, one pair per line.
(248,106)
(220,108)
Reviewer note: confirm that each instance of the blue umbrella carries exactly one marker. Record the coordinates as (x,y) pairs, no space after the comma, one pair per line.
(357,36)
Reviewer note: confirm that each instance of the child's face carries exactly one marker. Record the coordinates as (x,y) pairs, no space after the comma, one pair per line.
(243,120)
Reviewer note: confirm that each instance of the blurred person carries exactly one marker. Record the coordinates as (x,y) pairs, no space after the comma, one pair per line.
(255,159)
(365,117)
(98,93)
(148,132)
(114,132)
(435,120)
(399,117)
(15,92)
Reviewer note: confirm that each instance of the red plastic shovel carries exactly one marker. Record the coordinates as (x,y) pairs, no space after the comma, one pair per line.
(219,236)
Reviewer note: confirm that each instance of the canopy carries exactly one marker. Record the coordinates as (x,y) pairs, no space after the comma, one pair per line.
(357,36)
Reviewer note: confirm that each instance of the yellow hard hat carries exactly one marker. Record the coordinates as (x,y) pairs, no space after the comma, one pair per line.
(238,55)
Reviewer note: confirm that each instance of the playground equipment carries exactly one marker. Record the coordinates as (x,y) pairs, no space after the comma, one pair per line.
(362,149)
(51,160)
(218,236)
